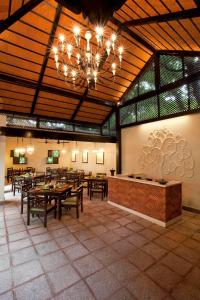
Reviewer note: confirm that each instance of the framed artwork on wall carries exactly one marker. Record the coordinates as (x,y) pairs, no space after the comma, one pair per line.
(100,158)
(85,157)
(73,157)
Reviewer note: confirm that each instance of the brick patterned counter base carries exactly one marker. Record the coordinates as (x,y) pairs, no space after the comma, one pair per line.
(161,203)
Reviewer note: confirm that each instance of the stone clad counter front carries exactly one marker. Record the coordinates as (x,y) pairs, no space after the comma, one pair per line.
(158,203)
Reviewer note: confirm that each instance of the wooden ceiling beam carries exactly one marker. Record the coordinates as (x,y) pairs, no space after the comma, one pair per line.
(18,14)
(197,3)
(52,90)
(134,35)
(79,104)
(46,56)
(179,15)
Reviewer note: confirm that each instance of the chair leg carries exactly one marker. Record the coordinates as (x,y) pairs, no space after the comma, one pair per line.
(45,220)
(55,209)
(102,196)
(77,212)
(81,205)
(28,216)
(22,206)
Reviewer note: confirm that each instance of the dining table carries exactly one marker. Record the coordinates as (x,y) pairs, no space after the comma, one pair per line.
(51,192)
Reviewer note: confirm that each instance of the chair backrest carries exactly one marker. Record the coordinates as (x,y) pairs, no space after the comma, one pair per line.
(25,188)
(35,201)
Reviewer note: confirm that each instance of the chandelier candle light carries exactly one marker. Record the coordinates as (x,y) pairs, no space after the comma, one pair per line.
(83,60)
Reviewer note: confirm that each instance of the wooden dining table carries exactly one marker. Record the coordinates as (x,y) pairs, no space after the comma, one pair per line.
(56,192)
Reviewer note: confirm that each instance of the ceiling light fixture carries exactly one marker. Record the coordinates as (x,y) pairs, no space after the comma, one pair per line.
(92,56)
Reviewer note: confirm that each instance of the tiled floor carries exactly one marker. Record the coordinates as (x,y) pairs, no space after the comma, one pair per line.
(106,254)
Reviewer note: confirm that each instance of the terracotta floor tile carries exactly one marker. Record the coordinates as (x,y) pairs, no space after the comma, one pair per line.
(176,236)
(66,241)
(16,228)
(3,240)
(75,251)
(154,250)
(112,225)
(20,244)
(135,227)
(176,263)
(7,296)
(5,281)
(122,294)
(123,270)
(143,288)
(18,236)
(26,272)
(99,229)
(4,262)
(103,284)
(35,289)
(141,259)
(37,239)
(77,292)
(47,247)
(137,239)
(84,235)
(53,261)
(123,247)
(187,253)
(149,234)
(123,221)
(122,231)
(87,265)
(23,255)
(63,278)
(60,232)
(106,255)
(166,243)
(94,244)
(110,237)
(163,276)
(186,291)
(194,277)
(191,243)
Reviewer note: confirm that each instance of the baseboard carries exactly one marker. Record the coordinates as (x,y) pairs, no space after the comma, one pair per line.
(191,209)
(153,220)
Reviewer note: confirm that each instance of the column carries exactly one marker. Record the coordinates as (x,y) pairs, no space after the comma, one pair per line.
(118,144)
(2,158)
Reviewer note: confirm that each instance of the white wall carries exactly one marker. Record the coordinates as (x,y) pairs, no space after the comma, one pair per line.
(38,159)
(134,138)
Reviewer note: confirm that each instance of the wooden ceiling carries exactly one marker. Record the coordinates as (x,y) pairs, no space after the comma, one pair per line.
(29,82)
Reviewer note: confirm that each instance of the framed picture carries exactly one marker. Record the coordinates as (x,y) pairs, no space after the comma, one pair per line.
(85,157)
(73,157)
(100,158)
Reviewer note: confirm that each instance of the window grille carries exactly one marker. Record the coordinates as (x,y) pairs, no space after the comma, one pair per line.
(128,114)
(174,101)
(147,109)
(171,69)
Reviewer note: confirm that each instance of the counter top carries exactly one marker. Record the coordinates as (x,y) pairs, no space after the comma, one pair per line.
(144,181)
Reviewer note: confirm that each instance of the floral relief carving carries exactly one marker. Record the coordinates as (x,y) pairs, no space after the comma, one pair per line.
(167,154)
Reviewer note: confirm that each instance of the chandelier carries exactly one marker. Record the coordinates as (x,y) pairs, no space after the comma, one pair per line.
(80,58)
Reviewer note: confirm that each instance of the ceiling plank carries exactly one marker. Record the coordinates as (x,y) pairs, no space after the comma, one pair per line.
(132,34)
(23,10)
(179,15)
(53,90)
(46,56)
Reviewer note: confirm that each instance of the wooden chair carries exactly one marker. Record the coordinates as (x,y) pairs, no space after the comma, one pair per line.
(74,199)
(18,181)
(39,205)
(24,194)
(9,174)
(97,187)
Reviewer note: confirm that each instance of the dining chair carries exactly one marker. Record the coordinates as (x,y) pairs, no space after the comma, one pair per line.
(24,194)
(39,205)
(74,199)
(18,181)
(97,187)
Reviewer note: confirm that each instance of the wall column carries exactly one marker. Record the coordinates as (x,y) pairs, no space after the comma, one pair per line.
(118,145)
(2,158)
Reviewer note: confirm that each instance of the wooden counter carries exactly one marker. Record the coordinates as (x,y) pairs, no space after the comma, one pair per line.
(155,202)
